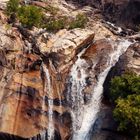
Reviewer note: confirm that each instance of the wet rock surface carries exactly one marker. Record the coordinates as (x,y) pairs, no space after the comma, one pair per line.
(130,60)
(107,129)
(23,79)
(25,58)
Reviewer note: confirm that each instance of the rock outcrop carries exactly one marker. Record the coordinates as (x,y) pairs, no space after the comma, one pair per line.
(125,13)
(3,4)
(23,80)
(40,71)
(130,61)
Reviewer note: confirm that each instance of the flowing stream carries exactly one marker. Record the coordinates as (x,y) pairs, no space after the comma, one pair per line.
(91,110)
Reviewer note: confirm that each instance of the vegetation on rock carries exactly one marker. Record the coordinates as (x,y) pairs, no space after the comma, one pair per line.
(56,24)
(79,22)
(12,7)
(53,10)
(125,93)
(29,16)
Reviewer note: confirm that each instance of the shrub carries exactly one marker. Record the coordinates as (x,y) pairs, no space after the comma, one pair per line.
(79,22)
(125,93)
(30,16)
(51,9)
(12,7)
(127,113)
(56,24)
(122,86)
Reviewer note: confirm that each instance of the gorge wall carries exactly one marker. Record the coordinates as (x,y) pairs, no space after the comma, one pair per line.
(125,13)
(51,84)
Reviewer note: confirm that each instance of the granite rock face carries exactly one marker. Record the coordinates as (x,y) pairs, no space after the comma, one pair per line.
(28,56)
(24,96)
(130,60)
(22,80)
(125,13)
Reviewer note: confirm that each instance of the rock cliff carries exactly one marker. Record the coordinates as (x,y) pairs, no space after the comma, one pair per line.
(125,13)
(23,79)
(48,79)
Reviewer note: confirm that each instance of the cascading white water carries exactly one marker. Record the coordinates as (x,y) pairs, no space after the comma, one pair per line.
(84,116)
(119,29)
(50,108)
(91,110)
(78,76)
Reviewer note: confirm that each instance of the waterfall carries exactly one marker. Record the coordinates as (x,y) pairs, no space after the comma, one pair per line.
(78,76)
(50,107)
(91,110)
(83,115)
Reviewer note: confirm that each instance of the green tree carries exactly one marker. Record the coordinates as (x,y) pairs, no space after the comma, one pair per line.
(127,113)
(125,93)
(30,16)
(122,86)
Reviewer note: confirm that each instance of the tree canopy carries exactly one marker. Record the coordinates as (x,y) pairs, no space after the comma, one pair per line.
(125,93)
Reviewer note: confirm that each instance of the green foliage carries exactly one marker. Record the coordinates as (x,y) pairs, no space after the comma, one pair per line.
(56,24)
(125,92)
(12,7)
(127,112)
(30,16)
(79,22)
(122,86)
(53,10)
